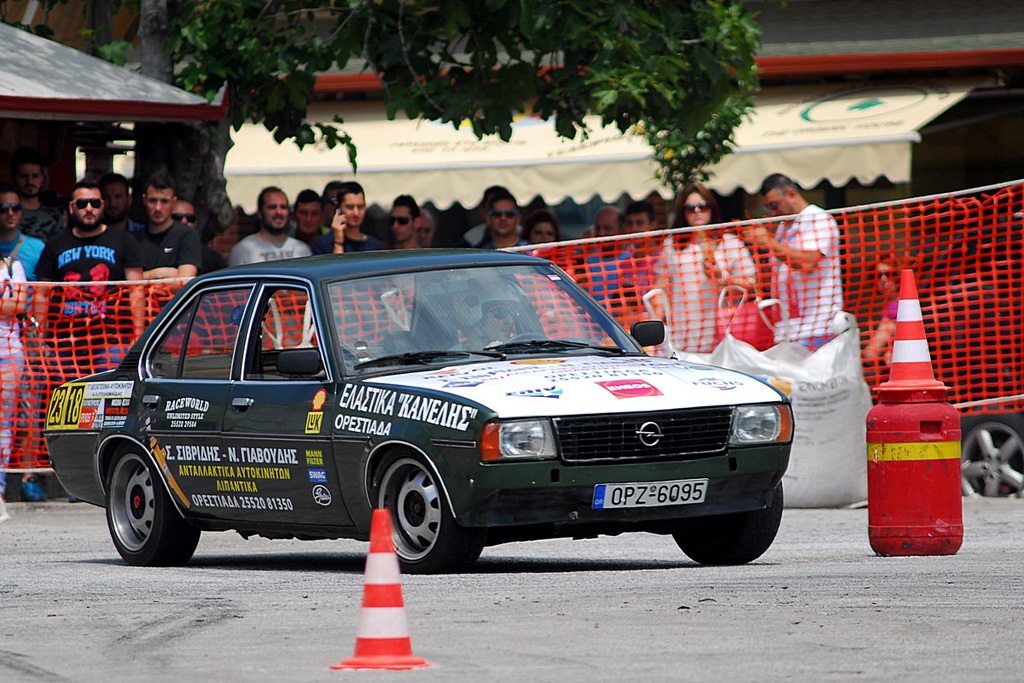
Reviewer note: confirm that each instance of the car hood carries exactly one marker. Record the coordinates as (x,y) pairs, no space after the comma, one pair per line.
(588,384)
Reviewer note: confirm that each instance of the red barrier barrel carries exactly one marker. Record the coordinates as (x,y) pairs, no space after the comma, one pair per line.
(913,434)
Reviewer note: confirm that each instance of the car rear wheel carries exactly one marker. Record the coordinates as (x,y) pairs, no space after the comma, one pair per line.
(427,538)
(146,528)
(734,539)
(992,458)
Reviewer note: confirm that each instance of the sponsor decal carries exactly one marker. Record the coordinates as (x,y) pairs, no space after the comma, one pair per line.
(318,476)
(319,398)
(321,495)
(718,383)
(109,389)
(186,412)
(384,403)
(545,392)
(314,458)
(630,388)
(539,361)
(314,421)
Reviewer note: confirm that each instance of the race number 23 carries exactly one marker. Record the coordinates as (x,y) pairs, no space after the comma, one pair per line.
(65,407)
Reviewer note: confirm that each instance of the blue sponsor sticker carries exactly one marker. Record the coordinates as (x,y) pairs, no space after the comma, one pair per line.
(546,392)
(318,476)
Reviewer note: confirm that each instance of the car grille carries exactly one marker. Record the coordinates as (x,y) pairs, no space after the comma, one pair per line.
(669,435)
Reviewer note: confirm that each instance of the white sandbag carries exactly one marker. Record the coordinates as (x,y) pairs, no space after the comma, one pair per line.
(831,400)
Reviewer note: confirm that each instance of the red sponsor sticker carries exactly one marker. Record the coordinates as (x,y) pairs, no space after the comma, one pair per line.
(318,400)
(630,388)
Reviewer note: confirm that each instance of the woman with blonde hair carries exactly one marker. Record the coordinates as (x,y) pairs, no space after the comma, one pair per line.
(696,265)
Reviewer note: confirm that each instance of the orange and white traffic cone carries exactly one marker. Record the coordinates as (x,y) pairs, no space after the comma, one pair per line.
(913,444)
(382,639)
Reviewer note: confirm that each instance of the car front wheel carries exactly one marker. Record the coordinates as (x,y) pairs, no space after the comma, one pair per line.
(427,538)
(146,528)
(733,539)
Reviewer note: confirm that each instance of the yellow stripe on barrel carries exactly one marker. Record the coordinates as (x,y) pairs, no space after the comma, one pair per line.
(914,450)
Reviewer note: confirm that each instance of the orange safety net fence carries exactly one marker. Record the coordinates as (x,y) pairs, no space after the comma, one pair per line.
(965,249)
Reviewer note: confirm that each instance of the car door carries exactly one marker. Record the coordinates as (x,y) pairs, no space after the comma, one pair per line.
(276,425)
(187,378)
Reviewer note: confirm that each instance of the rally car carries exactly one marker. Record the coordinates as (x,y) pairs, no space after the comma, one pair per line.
(480,397)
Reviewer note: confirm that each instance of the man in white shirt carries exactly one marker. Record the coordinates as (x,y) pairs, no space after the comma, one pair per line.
(805,253)
(272,241)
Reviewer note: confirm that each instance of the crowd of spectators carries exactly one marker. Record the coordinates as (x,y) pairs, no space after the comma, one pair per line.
(92,237)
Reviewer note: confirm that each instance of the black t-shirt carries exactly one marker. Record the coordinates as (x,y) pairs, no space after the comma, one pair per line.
(70,259)
(177,245)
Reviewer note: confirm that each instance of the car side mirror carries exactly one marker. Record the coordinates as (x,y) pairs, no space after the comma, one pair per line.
(304,362)
(648,332)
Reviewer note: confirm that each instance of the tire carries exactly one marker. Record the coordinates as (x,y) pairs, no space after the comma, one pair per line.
(427,538)
(146,528)
(734,539)
(992,457)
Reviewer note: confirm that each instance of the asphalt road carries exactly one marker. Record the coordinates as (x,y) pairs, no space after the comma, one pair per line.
(818,606)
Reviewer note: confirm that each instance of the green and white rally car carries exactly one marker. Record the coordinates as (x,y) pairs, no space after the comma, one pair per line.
(481,397)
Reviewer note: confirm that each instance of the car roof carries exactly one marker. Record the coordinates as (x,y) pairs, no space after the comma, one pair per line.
(371,263)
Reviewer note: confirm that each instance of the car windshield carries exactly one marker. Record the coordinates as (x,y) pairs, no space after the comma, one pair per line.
(466,315)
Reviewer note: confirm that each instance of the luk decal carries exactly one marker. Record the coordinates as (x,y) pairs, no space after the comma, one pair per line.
(546,392)
(718,383)
(630,388)
(321,495)
(314,421)
(315,417)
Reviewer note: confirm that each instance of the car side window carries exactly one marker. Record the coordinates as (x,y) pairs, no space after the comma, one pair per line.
(285,322)
(200,343)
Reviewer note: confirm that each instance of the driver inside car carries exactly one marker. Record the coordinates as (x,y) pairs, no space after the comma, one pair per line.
(498,320)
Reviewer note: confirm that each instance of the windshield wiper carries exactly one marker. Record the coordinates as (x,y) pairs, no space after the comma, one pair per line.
(552,345)
(423,357)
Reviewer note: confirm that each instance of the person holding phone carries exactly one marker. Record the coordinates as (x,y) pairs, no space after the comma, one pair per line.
(346,227)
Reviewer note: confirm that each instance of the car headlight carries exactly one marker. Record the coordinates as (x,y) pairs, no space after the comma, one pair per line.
(518,440)
(761,424)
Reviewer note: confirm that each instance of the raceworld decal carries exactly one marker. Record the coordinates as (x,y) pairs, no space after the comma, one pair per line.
(388,403)
(186,412)
(630,388)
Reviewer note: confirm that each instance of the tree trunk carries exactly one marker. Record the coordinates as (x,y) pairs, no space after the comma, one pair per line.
(193,153)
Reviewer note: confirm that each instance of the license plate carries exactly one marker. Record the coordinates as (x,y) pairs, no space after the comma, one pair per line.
(650,494)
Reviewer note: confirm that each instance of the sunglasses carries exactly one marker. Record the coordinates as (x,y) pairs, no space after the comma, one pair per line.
(401,220)
(94,203)
(12,208)
(187,217)
(498,213)
(702,206)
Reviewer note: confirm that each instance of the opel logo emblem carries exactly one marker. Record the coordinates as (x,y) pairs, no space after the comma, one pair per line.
(649,434)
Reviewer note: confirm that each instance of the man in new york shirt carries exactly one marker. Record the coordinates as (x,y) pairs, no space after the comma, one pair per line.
(85,321)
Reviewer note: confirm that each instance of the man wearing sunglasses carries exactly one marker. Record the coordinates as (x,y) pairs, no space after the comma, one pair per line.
(805,257)
(402,221)
(502,222)
(87,322)
(170,249)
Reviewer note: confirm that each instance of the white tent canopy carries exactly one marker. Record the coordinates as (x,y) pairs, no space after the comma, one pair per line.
(862,131)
